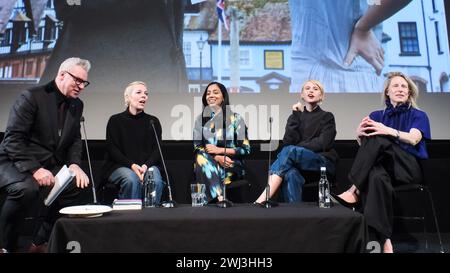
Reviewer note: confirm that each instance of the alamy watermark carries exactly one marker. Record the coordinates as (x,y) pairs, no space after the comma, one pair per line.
(374,2)
(373,247)
(262,122)
(73,2)
(73,247)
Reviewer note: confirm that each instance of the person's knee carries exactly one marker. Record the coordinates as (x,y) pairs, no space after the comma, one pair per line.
(293,152)
(131,180)
(288,149)
(123,175)
(159,183)
(288,152)
(31,193)
(128,181)
(25,192)
(156,172)
(381,139)
(378,176)
(157,176)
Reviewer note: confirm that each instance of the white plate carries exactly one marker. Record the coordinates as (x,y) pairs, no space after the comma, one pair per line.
(86,210)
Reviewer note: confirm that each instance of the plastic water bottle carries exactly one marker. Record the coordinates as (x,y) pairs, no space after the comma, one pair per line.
(149,189)
(324,189)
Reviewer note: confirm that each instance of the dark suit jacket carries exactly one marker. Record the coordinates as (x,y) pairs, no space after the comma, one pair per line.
(31,138)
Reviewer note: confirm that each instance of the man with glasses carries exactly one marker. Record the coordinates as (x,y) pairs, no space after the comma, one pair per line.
(77,80)
(42,135)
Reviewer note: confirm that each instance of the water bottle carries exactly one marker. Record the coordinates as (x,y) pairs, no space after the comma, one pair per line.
(324,189)
(149,189)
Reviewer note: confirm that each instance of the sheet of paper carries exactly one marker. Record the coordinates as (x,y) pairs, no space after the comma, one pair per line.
(62,179)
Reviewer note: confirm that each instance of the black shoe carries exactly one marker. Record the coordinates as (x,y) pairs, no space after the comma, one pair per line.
(266,204)
(337,200)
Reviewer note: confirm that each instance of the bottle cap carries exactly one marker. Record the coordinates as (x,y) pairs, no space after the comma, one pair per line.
(323,168)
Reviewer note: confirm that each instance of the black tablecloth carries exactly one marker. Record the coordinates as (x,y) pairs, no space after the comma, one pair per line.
(239,229)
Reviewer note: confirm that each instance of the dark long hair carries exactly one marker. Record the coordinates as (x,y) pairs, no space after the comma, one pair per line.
(225,103)
(223,90)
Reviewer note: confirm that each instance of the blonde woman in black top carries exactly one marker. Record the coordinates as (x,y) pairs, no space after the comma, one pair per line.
(308,144)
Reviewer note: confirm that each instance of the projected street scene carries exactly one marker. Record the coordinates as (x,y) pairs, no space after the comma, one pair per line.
(264,46)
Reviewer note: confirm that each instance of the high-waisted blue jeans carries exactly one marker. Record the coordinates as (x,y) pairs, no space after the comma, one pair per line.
(289,164)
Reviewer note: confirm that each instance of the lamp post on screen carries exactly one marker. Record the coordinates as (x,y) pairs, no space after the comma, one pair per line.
(200,46)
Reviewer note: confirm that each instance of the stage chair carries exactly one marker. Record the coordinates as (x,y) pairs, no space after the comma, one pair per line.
(106,193)
(238,191)
(424,190)
(310,191)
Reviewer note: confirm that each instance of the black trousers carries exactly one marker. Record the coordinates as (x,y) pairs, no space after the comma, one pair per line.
(379,165)
(21,198)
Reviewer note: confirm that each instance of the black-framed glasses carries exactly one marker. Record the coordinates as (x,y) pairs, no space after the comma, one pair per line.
(77,80)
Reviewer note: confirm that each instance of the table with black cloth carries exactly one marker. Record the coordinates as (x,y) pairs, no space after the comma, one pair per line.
(242,228)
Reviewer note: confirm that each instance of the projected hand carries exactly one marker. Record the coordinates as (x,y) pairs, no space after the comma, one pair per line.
(365,44)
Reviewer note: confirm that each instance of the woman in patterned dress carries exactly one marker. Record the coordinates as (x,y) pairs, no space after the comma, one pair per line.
(217,160)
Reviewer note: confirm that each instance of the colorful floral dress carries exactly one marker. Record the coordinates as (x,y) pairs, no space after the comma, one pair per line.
(210,131)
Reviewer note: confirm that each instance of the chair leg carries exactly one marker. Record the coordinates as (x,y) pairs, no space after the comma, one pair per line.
(435,220)
(424,218)
(425,233)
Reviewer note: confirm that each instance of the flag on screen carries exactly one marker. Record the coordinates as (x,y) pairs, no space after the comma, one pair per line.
(221,13)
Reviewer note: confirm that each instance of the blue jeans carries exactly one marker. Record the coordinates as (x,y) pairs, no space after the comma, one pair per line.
(131,186)
(290,162)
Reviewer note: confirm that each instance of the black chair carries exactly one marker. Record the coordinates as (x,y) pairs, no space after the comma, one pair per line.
(310,192)
(107,192)
(238,191)
(424,190)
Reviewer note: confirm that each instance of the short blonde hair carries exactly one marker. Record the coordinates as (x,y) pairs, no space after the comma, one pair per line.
(73,61)
(316,83)
(412,88)
(129,89)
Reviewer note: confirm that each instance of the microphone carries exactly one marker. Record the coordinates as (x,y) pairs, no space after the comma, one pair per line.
(170,203)
(224,203)
(94,195)
(269,203)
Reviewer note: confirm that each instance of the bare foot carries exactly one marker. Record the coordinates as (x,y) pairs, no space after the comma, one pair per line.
(260,200)
(349,197)
(387,247)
